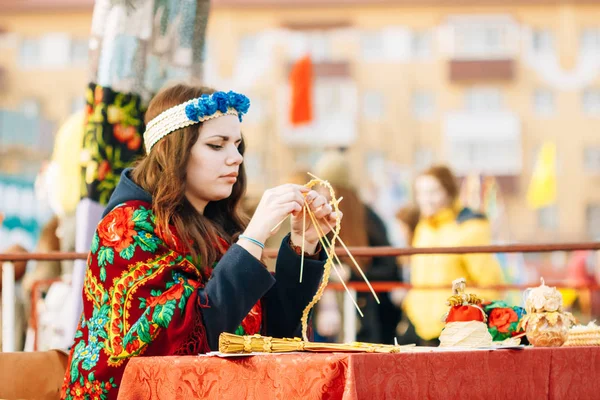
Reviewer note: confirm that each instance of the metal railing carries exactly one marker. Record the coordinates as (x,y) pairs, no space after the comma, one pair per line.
(8,294)
(362,251)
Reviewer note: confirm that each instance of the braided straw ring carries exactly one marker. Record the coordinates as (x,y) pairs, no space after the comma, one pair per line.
(327,269)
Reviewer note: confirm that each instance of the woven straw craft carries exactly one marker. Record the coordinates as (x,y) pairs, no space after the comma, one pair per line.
(235,344)
(229,343)
(465,334)
(584,335)
(329,245)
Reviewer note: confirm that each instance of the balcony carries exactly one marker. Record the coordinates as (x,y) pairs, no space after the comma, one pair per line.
(461,71)
(481,47)
(334,69)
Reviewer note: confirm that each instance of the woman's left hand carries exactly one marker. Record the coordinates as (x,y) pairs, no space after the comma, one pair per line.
(324,215)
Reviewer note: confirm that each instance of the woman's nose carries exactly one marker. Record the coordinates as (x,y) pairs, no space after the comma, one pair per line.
(235,158)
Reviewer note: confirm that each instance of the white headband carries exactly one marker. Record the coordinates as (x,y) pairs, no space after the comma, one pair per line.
(194,111)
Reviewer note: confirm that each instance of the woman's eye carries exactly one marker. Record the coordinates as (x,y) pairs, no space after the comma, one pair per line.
(215,146)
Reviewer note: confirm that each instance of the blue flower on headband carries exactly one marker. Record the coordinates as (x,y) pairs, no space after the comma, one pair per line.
(238,101)
(201,107)
(211,106)
(192,112)
(207,105)
(221,100)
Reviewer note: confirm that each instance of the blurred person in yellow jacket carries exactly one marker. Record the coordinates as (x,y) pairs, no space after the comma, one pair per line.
(444,223)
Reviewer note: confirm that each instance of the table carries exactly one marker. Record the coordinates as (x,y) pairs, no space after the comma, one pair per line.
(532,373)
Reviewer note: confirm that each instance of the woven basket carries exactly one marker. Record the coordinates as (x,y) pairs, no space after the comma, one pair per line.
(465,334)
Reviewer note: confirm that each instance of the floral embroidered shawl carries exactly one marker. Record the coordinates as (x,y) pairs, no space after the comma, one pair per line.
(140,298)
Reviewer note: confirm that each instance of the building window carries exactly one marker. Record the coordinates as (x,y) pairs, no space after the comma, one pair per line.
(31,108)
(591,159)
(483,99)
(315,43)
(373,105)
(591,102)
(247,46)
(420,45)
(79,51)
(484,38)
(29,53)
(494,157)
(592,217)
(423,104)
(590,41)
(543,102)
(55,50)
(372,45)
(320,46)
(547,218)
(542,41)
(488,143)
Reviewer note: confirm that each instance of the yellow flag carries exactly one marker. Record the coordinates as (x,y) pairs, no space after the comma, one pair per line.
(542,188)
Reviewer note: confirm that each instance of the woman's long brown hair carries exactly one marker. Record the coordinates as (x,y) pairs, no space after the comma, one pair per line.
(162,173)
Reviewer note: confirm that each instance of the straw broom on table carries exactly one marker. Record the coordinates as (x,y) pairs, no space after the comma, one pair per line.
(235,344)
(230,343)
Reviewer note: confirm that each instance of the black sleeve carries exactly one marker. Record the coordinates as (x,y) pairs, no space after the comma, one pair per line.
(287,299)
(237,283)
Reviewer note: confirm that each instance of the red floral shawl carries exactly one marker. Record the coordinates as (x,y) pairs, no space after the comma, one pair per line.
(140,298)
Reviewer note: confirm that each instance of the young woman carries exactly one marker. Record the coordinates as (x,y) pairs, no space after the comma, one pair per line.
(169,269)
(445,223)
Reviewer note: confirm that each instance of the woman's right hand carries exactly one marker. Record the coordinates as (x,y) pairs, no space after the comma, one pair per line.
(275,205)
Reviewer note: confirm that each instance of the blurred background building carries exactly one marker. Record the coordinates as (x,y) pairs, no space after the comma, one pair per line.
(43,59)
(398,84)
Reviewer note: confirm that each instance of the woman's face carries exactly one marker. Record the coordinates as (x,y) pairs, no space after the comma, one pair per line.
(214,162)
(430,195)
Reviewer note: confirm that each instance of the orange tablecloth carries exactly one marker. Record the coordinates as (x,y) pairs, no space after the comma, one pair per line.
(561,373)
